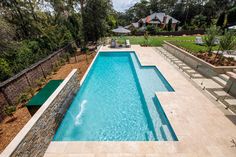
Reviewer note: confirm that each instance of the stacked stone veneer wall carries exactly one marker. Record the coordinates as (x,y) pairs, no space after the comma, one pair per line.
(11,89)
(35,137)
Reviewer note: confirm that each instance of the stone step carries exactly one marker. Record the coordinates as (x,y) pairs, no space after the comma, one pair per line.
(224,77)
(219,80)
(234,70)
(231,74)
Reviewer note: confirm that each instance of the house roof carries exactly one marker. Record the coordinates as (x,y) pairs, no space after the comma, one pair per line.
(158,18)
(135,25)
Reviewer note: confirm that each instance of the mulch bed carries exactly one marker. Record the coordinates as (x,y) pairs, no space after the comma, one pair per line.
(11,129)
(216,60)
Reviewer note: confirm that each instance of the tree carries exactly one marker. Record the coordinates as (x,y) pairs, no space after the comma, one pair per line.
(95,19)
(221,20)
(231,18)
(169,25)
(7,33)
(5,70)
(199,21)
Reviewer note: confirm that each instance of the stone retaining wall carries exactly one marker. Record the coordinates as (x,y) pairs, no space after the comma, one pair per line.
(37,134)
(196,63)
(11,89)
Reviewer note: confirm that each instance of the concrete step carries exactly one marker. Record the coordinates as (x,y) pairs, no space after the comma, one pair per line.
(234,70)
(231,74)
(224,77)
(219,80)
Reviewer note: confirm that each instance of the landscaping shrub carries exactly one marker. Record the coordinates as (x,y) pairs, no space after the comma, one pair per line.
(23,98)
(9,110)
(5,70)
(209,38)
(169,25)
(227,42)
(151,29)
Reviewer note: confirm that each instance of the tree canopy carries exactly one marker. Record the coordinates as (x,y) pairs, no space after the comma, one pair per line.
(189,12)
(32,29)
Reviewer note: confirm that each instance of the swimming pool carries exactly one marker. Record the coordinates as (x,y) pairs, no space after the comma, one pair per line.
(117,102)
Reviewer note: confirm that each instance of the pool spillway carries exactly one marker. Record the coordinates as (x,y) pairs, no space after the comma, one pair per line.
(117,102)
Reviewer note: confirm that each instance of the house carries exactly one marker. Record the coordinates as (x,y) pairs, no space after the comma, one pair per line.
(157,19)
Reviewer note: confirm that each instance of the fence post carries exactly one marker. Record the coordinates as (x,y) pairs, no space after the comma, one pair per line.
(27,79)
(44,75)
(9,102)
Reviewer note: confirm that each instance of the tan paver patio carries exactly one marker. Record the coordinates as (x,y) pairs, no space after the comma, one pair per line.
(202,128)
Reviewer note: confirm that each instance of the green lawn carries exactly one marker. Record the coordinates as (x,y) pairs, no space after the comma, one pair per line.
(191,46)
(187,42)
(154,40)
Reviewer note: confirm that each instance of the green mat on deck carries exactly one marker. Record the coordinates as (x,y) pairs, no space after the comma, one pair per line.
(40,98)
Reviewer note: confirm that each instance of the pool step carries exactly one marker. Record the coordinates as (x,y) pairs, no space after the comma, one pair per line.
(166,132)
(149,136)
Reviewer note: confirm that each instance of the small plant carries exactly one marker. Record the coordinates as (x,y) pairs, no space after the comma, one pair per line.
(55,68)
(40,82)
(23,98)
(227,42)
(66,57)
(9,110)
(146,37)
(209,39)
(30,91)
(62,61)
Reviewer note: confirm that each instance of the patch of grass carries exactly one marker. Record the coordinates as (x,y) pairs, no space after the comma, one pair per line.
(186,42)
(154,40)
(192,47)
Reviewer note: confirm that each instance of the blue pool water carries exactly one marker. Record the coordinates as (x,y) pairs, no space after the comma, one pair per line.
(117,102)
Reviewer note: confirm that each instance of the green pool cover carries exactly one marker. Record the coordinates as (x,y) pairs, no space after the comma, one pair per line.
(40,98)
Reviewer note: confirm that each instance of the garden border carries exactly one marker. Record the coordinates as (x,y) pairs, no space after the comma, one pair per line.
(194,61)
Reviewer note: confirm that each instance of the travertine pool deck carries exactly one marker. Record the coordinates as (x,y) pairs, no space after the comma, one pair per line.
(203,130)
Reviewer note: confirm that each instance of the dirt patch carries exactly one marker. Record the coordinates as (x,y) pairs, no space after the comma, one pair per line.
(79,62)
(9,130)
